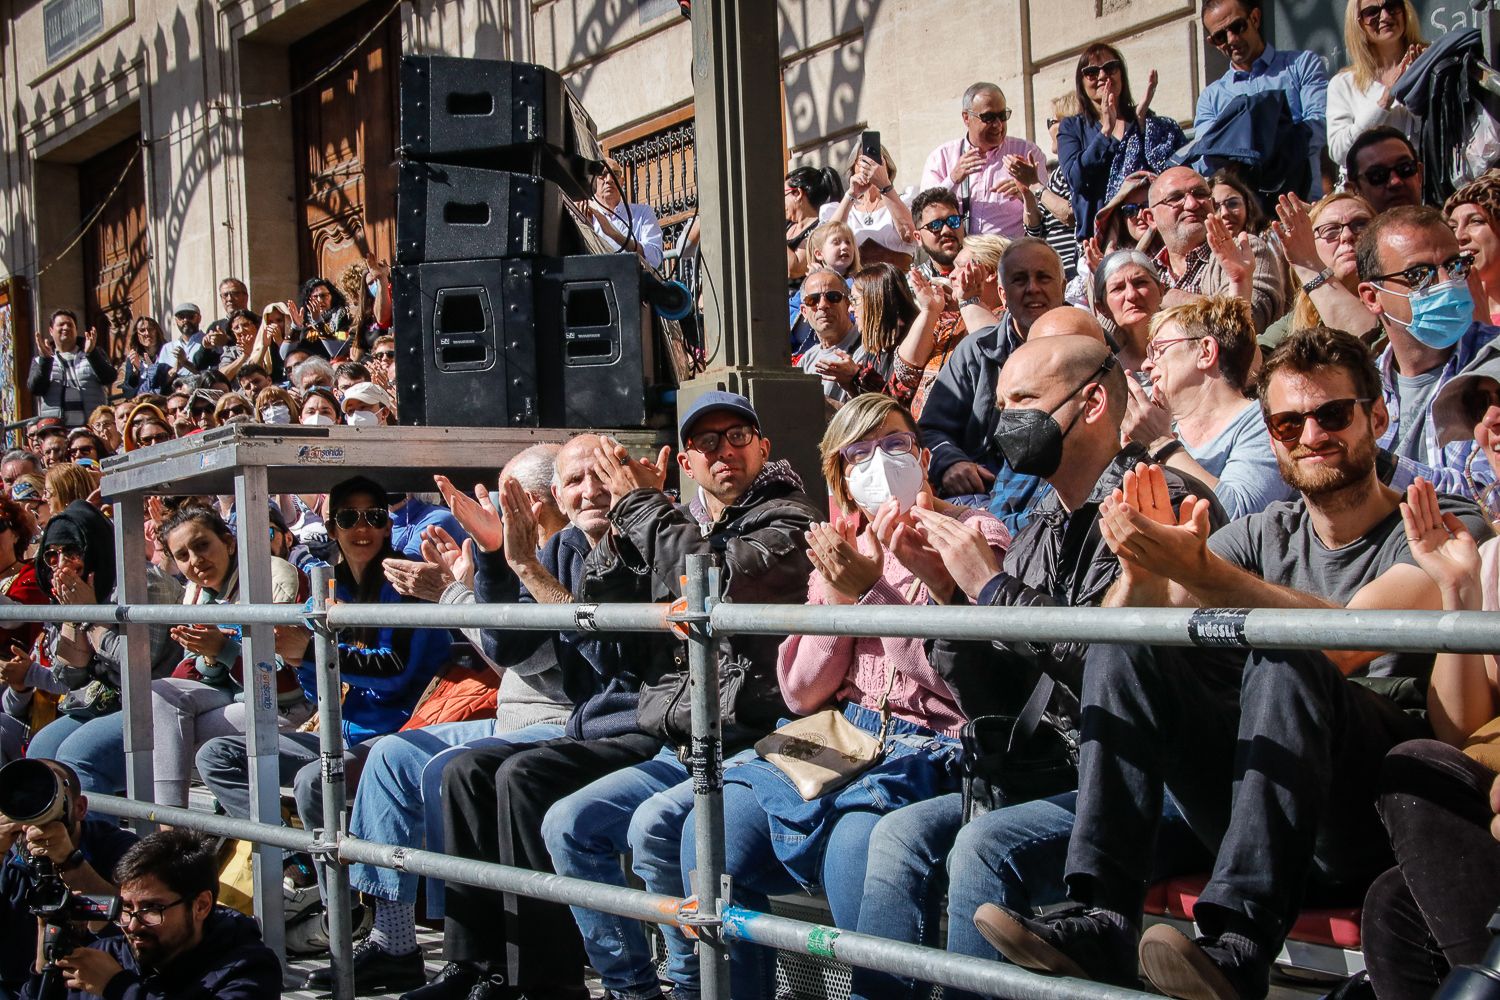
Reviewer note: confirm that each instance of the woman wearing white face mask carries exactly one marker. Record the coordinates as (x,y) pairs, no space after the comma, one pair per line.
(320,408)
(276,405)
(884,687)
(368,405)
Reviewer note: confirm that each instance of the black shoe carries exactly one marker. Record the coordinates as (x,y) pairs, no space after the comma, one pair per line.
(493,988)
(1202,969)
(1078,943)
(376,969)
(452,982)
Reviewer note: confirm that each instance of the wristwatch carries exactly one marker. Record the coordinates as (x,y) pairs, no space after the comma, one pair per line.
(1167,450)
(888,189)
(1322,278)
(71,861)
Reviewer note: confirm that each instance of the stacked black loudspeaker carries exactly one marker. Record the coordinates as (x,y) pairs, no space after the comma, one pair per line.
(507,311)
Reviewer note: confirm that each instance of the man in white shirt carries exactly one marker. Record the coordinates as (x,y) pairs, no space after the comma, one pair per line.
(974,166)
(628,226)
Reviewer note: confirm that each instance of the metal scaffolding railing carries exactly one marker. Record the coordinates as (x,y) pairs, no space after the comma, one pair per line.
(704,618)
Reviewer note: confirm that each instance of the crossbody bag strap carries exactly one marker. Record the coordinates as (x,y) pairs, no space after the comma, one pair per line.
(1031,715)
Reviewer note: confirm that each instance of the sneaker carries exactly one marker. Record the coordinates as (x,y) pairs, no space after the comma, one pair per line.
(375,970)
(453,982)
(1202,969)
(1079,943)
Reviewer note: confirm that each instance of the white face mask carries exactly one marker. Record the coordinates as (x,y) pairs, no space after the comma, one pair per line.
(884,476)
(318,420)
(362,418)
(277,413)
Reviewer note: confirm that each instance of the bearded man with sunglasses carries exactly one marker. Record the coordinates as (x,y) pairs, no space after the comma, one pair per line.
(1272,755)
(979,166)
(1419,285)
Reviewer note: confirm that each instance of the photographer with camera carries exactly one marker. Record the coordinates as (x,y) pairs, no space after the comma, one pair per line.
(53,824)
(177,941)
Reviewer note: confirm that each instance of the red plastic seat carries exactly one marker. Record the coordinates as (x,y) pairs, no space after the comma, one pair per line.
(1336,927)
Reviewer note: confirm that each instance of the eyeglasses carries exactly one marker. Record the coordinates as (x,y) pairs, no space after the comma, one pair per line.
(860,452)
(149,914)
(1332,232)
(1158,347)
(991,117)
(383,356)
(814,299)
(1052,122)
(1231,204)
(1093,72)
(1369,15)
(375,517)
(1237,28)
(708,442)
(1405,169)
(1419,276)
(954,222)
(1201,193)
(82,451)
(54,555)
(1332,416)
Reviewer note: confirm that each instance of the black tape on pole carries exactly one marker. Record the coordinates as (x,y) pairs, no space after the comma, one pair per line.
(706,761)
(1218,627)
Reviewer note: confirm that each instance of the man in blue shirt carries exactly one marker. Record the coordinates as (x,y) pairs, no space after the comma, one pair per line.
(410,514)
(1233,27)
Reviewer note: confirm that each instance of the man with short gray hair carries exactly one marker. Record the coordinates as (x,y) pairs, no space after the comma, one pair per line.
(16,463)
(982,167)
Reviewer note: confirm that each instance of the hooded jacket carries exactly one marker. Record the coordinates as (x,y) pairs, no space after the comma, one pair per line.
(230,963)
(959,414)
(762,547)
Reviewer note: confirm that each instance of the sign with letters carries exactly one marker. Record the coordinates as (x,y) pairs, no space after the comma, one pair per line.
(67,24)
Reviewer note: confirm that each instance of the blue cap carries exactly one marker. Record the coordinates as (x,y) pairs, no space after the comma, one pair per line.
(714,402)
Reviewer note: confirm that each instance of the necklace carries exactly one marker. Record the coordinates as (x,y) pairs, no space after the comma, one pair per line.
(866,218)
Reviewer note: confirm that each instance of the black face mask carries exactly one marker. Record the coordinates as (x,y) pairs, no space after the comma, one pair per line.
(1031,441)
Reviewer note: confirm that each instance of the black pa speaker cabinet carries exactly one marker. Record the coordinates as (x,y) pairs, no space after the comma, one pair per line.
(594,356)
(499,115)
(465,344)
(445,212)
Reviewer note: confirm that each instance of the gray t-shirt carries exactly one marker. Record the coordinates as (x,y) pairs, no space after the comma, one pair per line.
(1240,456)
(1280,546)
(817,351)
(1415,397)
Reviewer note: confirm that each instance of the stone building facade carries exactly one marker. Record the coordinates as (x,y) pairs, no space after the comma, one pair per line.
(151,147)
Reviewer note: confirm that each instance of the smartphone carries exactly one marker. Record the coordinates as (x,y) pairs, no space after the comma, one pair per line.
(869,145)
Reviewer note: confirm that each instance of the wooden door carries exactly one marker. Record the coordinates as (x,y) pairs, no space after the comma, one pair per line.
(116,256)
(344,129)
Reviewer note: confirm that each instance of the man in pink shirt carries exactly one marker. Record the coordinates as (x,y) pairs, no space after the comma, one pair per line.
(983,168)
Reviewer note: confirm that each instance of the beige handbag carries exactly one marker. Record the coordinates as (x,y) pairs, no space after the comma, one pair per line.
(824,751)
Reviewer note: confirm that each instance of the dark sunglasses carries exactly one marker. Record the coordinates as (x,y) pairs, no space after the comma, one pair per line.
(814,299)
(375,517)
(1131,209)
(1237,28)
(1091,72)
(1419,276)
(56,554)
(991,117)
(383,355)
(236,411)
(954,222)
(145,441)
(82,451)
(1332,416)
(1371,14)
(1406,170)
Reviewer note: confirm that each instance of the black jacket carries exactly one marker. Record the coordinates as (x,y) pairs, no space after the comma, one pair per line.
(230,963)
(959,416)
(762,546)
(1058,560)
(601,675)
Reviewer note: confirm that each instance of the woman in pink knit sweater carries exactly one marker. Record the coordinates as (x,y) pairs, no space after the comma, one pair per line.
(777,842)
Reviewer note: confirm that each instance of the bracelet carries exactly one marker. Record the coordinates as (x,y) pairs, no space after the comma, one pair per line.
(972,300)
(1318,281)
(1167,450)
(888,189)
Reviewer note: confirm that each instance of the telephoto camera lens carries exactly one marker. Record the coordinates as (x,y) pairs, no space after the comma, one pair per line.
(32,793)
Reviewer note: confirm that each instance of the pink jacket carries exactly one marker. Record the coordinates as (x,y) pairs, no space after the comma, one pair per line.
(818,670)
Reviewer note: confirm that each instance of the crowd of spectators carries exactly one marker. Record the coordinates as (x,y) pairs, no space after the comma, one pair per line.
(1122,376)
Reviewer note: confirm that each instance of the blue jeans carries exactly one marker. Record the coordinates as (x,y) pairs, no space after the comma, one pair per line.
(389,800)
(639,809)
(95,749)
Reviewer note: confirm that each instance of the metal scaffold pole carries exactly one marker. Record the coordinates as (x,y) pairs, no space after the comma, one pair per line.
(708,774)
(331,750)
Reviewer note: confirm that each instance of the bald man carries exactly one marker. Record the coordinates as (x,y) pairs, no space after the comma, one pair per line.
(1180,207)
(1063,397)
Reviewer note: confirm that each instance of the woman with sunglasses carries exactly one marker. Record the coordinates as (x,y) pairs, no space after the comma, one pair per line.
(1474,213)
(146,425)
(76,565)
(1318,243)
(806,190)
(384,669)
(1383,38)
(233,408)
(1112,136)
(778,842)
